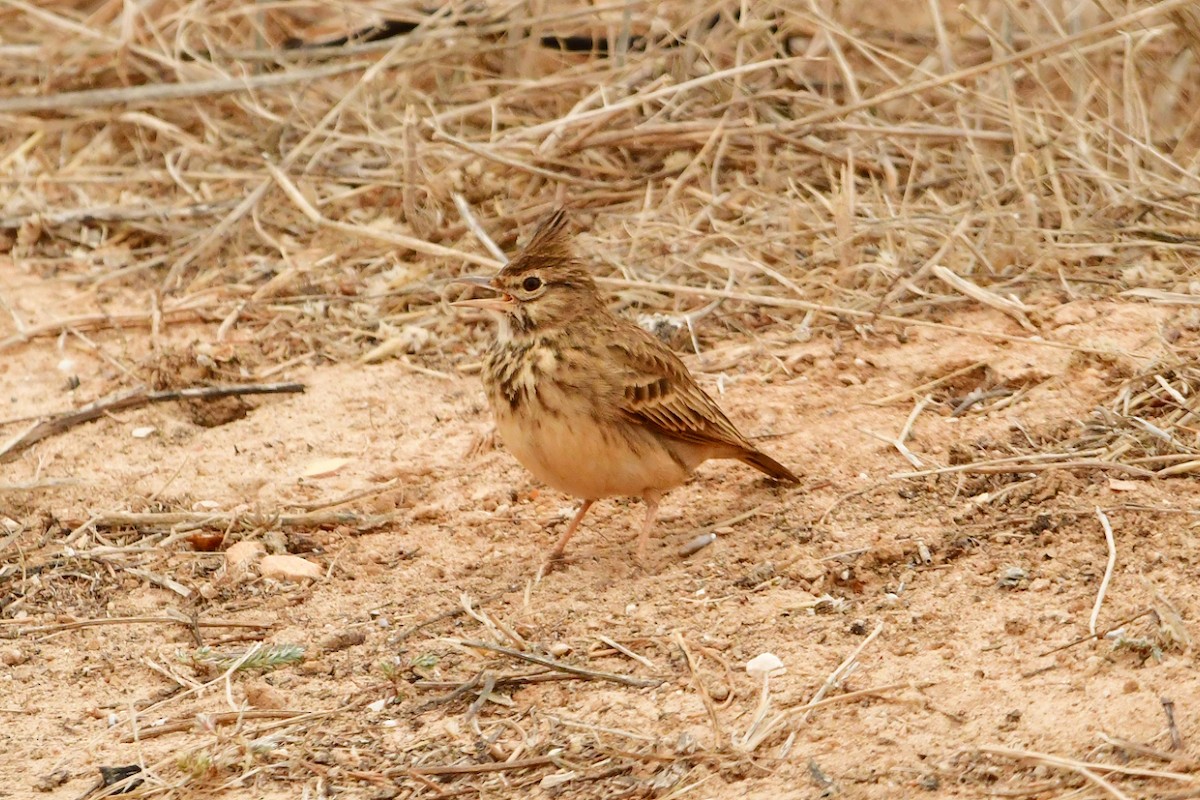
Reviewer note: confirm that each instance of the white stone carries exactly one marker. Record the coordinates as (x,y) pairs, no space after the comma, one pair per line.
(765,664)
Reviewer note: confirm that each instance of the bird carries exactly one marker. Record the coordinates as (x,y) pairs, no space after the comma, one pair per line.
(587,401)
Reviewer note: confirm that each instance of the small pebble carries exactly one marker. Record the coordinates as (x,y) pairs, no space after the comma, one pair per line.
(263,695)
(765,664)
(52,780)
(243,554)
(1012,578)
(13,656)
(686,744)
(808,569)
(697,544)
(340,640)
(289,568)
(557,779)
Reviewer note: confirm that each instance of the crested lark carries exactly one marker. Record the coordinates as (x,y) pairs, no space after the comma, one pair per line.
(588,402)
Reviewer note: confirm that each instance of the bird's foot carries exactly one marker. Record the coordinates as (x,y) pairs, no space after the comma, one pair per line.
(555,560)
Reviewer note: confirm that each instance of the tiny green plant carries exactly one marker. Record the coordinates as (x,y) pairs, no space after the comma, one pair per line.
(260,657)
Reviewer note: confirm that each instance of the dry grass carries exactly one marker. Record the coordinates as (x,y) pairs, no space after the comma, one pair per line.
(815,170)
(1013,156)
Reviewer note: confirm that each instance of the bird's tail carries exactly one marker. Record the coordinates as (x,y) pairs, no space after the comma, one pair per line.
(764,463)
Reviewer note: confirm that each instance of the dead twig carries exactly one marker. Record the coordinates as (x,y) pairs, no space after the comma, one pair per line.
(34,486)
(1108,569)
(701,689)
(475,769)
(1097,635)
(611,677)
(1169,709)
(224,519)
(841,672)
(88,216)
(211,720)
(90,322)
(1027,466)
(925,387)
(502,680)
(451,614)
(132,96)
(1091,768)
(50,630)
(66,420)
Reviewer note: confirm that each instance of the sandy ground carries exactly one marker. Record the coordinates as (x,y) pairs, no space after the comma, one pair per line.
(951,590)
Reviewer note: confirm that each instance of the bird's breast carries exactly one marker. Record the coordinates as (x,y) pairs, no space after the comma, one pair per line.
(558,419)
(519,371)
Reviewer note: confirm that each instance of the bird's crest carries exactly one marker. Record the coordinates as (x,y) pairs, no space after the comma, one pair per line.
(549,245)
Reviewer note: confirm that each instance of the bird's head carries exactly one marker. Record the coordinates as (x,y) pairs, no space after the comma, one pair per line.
(544,287)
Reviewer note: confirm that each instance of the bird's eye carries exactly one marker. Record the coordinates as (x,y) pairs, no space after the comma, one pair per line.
(531,284)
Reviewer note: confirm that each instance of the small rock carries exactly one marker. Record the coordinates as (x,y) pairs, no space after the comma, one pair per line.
(263,695)
(720,692)
(13,656)
(559,649)
(340,640)
(760,574)
(323,467)
(206,541)
(241,556)
(1039,585)
(275,542)
(1073,314)
(765,664)
(289,568)
(557,779)
(51,780)
(697,544)
(685,744)
(1012,578)
(808,569)
(113,775)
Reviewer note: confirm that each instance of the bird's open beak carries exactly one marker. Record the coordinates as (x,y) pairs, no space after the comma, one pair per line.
(502,302)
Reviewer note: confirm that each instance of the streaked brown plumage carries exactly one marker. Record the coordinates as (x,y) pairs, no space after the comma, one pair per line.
(588,402)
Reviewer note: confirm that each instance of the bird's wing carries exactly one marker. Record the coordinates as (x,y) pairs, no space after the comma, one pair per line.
(658,391)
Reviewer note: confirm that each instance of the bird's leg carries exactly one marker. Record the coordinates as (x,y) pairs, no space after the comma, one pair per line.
(651,501)
(561,545)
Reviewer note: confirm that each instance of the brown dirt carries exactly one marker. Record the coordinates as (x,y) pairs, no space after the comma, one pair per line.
(959,660)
